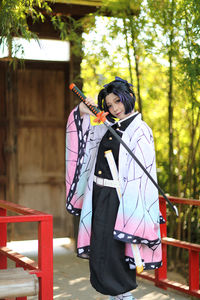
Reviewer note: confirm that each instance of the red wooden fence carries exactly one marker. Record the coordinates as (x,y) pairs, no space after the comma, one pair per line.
(160,277)
(44,268)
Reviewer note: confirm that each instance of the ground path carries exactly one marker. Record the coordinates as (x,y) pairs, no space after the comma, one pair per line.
(71,276)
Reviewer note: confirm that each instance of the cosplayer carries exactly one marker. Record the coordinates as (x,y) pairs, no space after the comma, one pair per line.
(109,224)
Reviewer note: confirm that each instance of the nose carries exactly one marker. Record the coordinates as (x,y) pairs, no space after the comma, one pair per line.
(114,107)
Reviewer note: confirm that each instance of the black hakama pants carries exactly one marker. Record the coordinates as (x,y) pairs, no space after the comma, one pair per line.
(110,273)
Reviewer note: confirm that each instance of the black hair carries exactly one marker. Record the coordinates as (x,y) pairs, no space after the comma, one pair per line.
(122,89)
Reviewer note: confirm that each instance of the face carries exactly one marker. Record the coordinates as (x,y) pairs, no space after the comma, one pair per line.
(115,106)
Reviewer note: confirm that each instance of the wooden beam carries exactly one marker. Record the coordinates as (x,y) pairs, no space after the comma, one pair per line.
(44,30)
(46,65)
(73,10)
(17,282)
(79,2)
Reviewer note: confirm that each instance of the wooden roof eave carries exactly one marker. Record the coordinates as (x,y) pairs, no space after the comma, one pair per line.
(74,8)
(80,8)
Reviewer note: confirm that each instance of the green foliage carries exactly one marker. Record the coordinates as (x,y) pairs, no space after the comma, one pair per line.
(121,7)
(16,15)
(70,30)
(164,29)
(13,20)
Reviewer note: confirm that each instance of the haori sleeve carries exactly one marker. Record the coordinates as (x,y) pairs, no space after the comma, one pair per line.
(138,218)
(138,214)
(77,131)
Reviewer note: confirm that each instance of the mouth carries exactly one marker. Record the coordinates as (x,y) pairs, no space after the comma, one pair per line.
(118,114)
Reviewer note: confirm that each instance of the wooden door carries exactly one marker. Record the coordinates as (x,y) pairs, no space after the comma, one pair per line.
(33,112)
(8,170)
(42,109)
(3,124)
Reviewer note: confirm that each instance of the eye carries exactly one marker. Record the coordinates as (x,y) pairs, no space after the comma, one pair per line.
(117,101)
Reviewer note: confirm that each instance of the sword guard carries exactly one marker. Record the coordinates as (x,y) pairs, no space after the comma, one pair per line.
(101,117)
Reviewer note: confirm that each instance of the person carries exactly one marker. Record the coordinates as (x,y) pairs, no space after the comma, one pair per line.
(109,225)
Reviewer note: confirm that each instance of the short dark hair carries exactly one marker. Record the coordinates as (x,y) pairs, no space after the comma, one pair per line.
(123,90)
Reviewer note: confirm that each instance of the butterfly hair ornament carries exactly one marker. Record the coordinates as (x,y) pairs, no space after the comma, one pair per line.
(118,79)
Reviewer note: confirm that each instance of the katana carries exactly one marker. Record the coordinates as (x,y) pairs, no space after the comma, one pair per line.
(114,172)
(101,117)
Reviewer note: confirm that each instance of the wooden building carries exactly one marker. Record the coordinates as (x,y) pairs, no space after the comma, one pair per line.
(34,104)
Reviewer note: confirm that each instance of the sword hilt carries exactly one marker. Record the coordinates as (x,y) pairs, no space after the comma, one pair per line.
(82,97)
(101,115)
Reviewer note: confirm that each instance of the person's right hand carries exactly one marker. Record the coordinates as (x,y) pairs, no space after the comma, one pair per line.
(84,109)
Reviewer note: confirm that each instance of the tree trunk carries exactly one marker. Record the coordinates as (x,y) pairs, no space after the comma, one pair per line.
(170,121)
(128,50)
(136,57)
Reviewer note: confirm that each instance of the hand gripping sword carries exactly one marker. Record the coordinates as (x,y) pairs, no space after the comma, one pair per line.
(101,117)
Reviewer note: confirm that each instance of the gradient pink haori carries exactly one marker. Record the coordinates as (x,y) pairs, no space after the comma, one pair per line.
(138,218)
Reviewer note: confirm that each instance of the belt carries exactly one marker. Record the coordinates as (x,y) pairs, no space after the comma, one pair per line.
(106,182)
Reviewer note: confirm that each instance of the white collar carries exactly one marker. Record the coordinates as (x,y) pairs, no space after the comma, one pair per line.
(120,121)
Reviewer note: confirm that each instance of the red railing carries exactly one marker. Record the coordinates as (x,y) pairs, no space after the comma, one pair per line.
(44,267)
(160,277)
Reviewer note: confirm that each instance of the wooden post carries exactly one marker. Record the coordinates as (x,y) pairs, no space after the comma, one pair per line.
(193,270)
(11,141)
(3,125)
(75,70)
(3,239)
(45,258)
(161,273)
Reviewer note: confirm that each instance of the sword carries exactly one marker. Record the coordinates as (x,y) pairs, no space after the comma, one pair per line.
(101,117)
(115,176)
